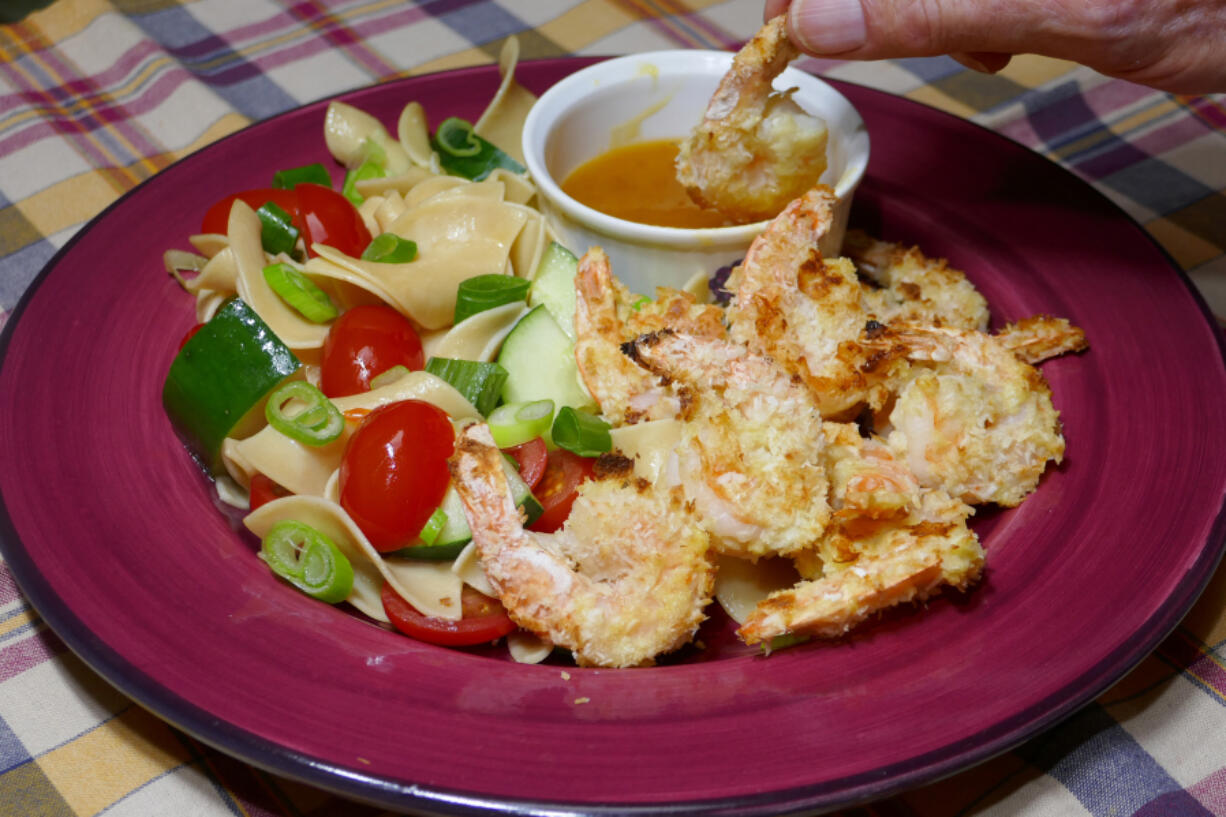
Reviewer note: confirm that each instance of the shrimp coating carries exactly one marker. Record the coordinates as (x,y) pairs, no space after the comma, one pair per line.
(626,578)
(890,542)
(750,456)
(1041,337)
(974,419)
(913,288)
(808,313)
(606,316)
(755,150)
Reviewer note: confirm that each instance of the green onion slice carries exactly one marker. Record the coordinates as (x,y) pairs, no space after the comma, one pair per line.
(433,527)
(479,382)
(369,169)
(517,423)
(389,248)
(456,138)
(580,432)
(640,302)
(317,422)
(308,560)
(484,292)
(277,230)
(388,376)
(313,174)
(300,292)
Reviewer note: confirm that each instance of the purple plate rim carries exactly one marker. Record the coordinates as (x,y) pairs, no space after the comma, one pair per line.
(432,800)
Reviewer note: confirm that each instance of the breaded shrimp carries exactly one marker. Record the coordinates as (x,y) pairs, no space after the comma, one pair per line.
(606,316)
(890,542)
(807,313)
(626,578)
(750,457)
(973,419)
(755,150)
(912,287)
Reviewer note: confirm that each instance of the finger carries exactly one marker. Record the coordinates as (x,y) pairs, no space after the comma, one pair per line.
(985,62)
(774,8)
(869,29)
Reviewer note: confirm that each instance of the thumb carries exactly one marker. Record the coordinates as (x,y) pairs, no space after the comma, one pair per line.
(1175,45)
(873,29)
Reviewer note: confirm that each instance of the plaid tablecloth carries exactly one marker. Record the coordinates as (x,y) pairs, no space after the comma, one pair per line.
(97,96)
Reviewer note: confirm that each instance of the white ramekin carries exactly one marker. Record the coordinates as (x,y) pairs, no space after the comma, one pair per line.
(661,95)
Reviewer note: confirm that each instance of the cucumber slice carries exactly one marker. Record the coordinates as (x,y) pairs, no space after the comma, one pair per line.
(540,363)
(456,534)
(554,286)
(219,380)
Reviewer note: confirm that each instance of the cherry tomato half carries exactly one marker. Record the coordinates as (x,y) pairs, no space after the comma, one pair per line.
(564,471)
(531,458)
(363,343)
(190,334)
(321,214)
(394,471)
(264,490)
(217,218)
(484,620)
(327,217)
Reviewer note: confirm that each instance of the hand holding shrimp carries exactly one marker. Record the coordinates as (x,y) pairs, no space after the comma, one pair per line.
(755,150)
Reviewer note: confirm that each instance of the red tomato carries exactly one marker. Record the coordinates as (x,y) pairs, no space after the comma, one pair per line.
(264,490)
(218,216)
(484,620)
(530,457)
(190,334)
(394,471)
(564,471)
(327,217)
(321,214)
(363,343)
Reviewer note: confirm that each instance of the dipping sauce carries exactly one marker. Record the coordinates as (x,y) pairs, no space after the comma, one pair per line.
(637,182)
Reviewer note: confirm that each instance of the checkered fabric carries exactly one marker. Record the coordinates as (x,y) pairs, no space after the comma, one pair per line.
(97,96)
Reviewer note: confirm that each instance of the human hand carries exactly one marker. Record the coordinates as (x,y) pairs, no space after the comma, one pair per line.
(1173,45)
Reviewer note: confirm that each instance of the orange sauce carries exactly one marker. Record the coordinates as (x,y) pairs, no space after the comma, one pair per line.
(637,182)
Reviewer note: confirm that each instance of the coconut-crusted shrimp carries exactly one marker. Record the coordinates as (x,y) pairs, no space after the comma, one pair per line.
(973,419)
(890,542)
(755,150)
(606,316)
(626,578)
(807,312)
(750,455)
(912,287)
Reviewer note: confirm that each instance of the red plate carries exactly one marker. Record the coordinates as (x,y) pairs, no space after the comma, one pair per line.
(111,531)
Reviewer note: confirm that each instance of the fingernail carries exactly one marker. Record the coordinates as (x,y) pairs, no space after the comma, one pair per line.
(828,26)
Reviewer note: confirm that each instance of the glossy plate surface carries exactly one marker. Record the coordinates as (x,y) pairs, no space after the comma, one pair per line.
(112,533)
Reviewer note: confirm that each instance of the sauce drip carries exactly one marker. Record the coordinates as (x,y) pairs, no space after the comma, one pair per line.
(637,182)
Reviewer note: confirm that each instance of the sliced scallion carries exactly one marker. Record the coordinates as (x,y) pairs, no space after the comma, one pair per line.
(309,560)
(388,376)
(433,527)
(517,423)
(316,422)
(369,169)
(484,292)
(479,382)
(582,433)
(454,141)
(389,248)
(277,230)
(300,292)
(456,138)
(313,174)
